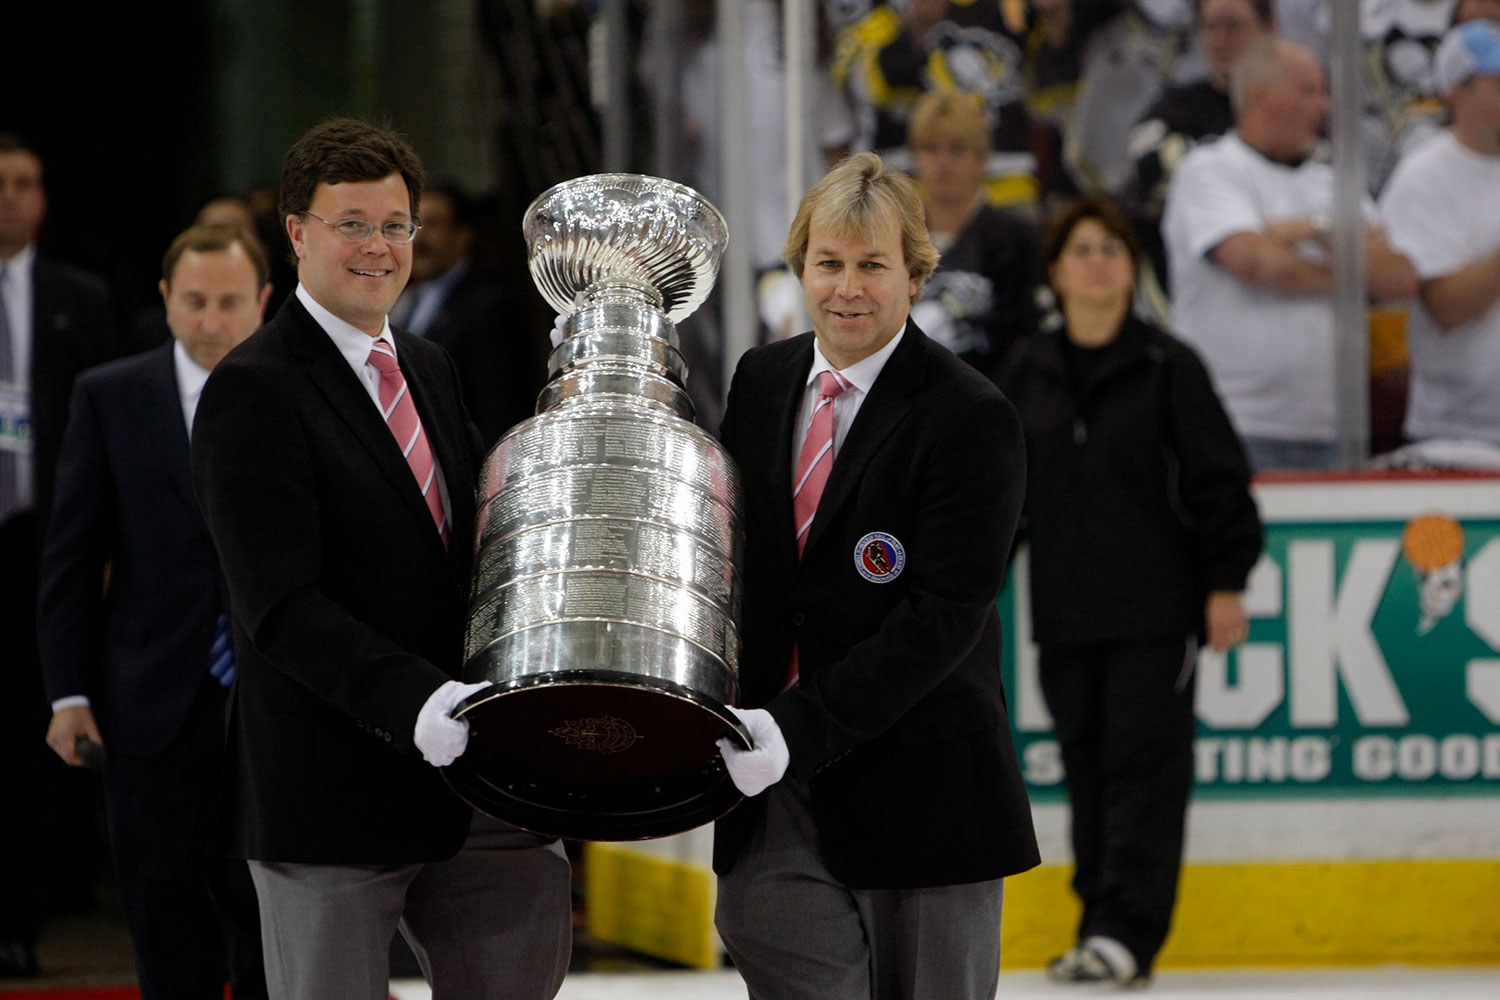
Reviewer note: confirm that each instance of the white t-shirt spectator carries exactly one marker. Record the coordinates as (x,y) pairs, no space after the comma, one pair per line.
(1271,355)
(1442,207)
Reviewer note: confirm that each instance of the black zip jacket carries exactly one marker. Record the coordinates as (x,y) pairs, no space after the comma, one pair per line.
(1138,491)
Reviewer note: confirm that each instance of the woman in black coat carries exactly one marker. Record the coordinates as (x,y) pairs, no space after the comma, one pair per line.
(1142,532)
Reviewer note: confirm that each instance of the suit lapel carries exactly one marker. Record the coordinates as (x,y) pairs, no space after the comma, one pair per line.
(347,397)
(788,384)
(443,436)
(161,410)
(889,402)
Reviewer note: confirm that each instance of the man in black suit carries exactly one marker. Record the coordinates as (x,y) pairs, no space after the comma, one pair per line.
(478,320)
(336,470)
(129,615)
(887,803)
(55,321)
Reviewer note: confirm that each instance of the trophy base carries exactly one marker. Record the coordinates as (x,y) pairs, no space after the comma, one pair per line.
(596,755)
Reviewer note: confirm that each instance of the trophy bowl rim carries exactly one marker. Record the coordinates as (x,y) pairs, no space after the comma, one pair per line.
(590,180)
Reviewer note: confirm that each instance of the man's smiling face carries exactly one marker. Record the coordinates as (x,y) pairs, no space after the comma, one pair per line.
(858,288)
(356,281)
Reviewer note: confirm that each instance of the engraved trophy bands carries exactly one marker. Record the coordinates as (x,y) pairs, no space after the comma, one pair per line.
(606,584)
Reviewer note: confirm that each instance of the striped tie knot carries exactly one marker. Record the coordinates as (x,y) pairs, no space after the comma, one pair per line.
(400,415)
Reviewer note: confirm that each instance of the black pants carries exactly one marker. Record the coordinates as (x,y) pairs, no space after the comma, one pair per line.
(1123,714)
(192,912)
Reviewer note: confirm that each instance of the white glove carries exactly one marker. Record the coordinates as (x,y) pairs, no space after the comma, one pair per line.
(756,769)
(559,329)
(442,738)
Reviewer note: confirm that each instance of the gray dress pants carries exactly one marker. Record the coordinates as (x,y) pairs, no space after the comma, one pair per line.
(796,933)
(492,923)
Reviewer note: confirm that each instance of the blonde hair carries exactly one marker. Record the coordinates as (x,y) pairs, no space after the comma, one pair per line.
(949,114)
(858,196)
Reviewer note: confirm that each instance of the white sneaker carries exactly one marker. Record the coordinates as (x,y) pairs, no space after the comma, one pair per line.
(1078,965)
(1118,960)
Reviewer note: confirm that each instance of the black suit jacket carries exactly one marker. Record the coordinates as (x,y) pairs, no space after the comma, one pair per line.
(72,330)
(125,499)
(348,610)
(899,725)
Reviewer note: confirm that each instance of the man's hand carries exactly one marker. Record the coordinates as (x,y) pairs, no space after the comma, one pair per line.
(764,764)
(1289,232)
(1226,621)
(442,738)
(67,727)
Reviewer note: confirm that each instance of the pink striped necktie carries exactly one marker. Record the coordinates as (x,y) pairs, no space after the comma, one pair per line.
(816,458)
(401,417)
(814,463)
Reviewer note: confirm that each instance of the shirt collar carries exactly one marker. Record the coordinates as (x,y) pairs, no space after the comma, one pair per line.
(190,378)
(443,283)
(190,374)
(353,343)
(862,374)
(18,268)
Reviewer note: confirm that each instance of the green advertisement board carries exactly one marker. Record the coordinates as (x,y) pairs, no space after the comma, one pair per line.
(1373,661)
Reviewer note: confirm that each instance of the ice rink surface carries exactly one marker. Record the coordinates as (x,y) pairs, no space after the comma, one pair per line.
(1366,983)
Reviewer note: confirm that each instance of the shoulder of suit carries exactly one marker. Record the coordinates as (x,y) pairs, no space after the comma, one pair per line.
(411,347)
(129,369)
(945,370)
(777,352)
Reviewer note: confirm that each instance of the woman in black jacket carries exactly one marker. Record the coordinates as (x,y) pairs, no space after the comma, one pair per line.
(1142,532)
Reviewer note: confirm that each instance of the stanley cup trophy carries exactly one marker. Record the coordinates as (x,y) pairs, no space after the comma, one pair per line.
(606,584)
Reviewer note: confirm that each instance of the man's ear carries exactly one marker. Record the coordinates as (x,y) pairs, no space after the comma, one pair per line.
(294,233)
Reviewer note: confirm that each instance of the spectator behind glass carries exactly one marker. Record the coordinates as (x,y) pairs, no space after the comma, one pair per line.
(1398,41)
(1249,238)
(901,50)
(1142,533)
(982,299)
(1443,205)
(1183,117)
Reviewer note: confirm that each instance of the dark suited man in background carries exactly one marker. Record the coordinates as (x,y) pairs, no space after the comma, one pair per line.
(501,361)
(135,645)
(336,470)
(55,321)
(883,482)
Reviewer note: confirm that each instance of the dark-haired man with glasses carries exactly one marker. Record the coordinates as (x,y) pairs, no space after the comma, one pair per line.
(336,468)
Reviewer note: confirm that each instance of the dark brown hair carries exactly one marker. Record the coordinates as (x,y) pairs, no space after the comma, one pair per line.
(347,149)
(1103,211)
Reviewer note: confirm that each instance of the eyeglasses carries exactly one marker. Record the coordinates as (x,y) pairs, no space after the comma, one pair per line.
(358,230)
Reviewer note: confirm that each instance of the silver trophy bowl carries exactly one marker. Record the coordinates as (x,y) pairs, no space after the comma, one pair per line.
(606,599)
